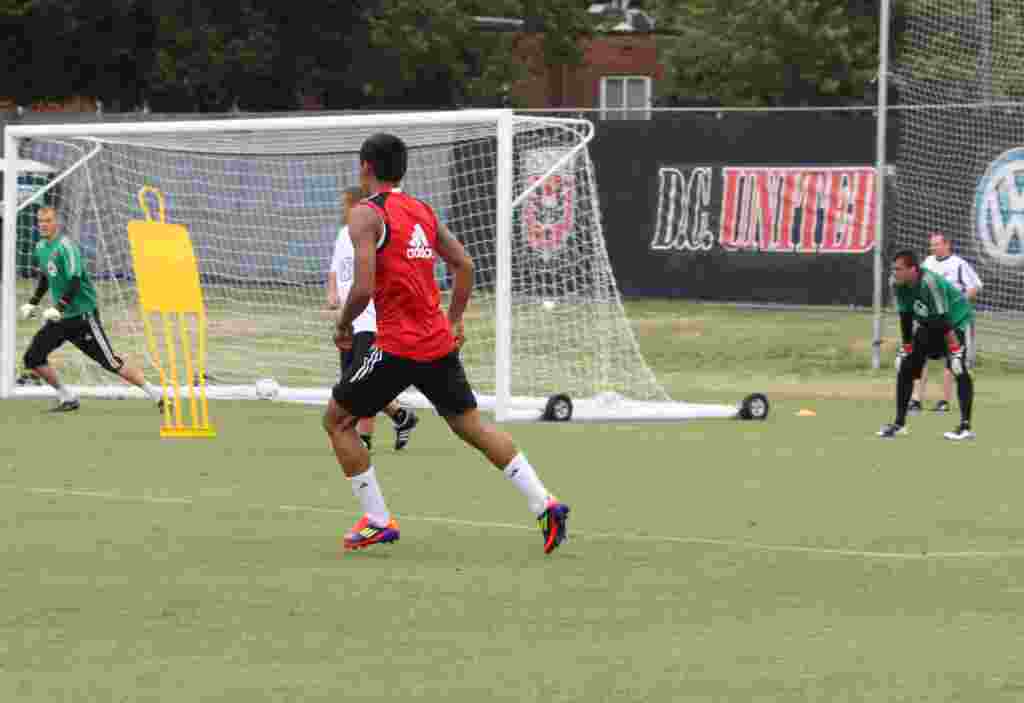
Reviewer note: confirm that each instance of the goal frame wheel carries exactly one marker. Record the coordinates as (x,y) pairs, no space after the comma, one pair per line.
(558,408)
(755,407)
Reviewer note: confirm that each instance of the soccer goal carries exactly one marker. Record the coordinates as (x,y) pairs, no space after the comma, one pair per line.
(959,166)
(547,335)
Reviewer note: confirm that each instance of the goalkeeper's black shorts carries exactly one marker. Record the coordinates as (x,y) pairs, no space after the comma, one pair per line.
(84,331)
(934,346)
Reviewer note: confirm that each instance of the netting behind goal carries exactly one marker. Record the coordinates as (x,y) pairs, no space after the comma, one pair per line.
(960,163)
(264,207)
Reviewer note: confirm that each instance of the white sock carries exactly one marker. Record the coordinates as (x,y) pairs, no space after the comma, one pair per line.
(154,393)
(523,477)
(367,490)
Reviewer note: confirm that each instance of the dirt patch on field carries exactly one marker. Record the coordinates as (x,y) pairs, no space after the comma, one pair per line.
(889,345)
(831,390)
(709,385)
(680,327)
(238,327)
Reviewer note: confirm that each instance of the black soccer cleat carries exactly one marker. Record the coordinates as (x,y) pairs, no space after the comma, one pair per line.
(914,407)
(403,430)
(941,407)
(892,430)
(27,378)
(66,406)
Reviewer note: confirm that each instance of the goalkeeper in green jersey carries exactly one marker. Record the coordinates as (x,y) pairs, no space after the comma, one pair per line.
(943,318)
(73,317)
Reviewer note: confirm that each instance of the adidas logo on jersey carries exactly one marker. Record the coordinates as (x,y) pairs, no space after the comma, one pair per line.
(419,245)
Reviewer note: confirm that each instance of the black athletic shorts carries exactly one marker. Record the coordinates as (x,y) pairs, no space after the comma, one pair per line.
(934,346)
(85,332)
(368,385)
(361,343)
(967,341)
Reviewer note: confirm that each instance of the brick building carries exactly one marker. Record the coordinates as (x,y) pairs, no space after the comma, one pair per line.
(619,69)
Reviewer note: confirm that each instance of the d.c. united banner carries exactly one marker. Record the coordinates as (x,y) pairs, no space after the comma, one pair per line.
(782,210)
(757,208)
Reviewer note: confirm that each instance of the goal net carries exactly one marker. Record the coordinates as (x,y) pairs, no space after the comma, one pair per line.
(959,77)
(262,201)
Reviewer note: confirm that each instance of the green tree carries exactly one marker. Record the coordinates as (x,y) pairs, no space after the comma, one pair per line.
(784,52)
(213,56)
(970,52)
(563,25)
(322,48)
(116,39)
(438,54)
(15,51)
(55,49)
(196,55)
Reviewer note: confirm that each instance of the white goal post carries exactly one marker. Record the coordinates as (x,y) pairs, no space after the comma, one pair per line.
(261,198)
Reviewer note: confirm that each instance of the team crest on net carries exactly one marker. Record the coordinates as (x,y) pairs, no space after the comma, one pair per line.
(999,209)
(550,210)
(419,245)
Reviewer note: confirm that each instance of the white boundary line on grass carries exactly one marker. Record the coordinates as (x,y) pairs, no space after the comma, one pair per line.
(614,536)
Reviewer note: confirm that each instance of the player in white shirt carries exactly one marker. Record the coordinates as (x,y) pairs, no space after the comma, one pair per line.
(364,328)
(962,275)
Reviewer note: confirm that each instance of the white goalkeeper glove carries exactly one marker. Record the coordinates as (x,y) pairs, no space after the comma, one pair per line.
(28,310)
(902,355)
(957,363)
(52,314)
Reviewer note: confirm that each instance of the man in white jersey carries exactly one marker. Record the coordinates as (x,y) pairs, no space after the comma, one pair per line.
(962,275)
(339,282)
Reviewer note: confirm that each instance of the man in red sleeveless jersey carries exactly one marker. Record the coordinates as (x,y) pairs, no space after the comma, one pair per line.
(396,238)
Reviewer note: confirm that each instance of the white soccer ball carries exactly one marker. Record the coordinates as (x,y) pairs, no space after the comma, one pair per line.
(548,305)
(267,389)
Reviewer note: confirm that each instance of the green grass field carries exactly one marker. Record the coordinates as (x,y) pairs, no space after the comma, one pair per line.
(798,559)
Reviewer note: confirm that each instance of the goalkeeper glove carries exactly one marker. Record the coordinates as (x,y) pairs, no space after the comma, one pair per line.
(957,363)
(28,310)
(52,314)
(902,355)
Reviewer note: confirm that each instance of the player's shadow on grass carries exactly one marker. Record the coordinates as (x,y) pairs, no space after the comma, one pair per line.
(290,452)
(412,452)
(420,546)
(123,435)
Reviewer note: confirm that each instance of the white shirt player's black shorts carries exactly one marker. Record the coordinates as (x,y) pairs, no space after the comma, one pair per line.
(84,331)
(361,343)
(368,385)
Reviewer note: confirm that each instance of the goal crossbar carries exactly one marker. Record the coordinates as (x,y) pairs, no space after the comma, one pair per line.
(375,121)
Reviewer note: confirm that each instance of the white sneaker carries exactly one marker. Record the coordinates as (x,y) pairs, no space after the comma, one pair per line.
(962,432)
(66,406)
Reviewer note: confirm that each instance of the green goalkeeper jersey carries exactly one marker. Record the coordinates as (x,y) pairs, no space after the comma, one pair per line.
(61,261)
(934,297)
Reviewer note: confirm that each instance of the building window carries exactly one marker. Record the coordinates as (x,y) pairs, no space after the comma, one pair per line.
(620,92)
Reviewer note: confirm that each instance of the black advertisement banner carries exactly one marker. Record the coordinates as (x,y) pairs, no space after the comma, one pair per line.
(748,207)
